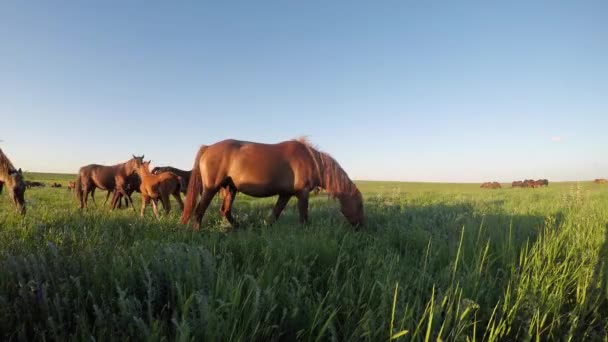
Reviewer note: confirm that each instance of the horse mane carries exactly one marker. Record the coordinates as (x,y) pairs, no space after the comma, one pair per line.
(5,165)
(333,178)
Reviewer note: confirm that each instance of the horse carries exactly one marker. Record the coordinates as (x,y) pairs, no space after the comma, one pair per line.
(289,168)
(13,179)
(154,187)
(491,185)
(30,184)
(600,181)
(132,185)
(105,177)
(543,182)
(517,184)
(184,176)
(528,183)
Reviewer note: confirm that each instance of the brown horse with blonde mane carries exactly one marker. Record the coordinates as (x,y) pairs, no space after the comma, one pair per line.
(106,178)
(290,168)
(154,187)
(13,180)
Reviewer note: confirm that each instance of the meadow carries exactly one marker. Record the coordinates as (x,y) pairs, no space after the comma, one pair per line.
(448,262)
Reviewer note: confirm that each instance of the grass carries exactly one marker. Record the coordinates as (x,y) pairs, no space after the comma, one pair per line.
(445,262)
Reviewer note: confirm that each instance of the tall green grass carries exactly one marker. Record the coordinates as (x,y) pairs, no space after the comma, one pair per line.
(435,262)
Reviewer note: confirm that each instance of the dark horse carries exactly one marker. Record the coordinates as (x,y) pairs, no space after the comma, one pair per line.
(183,175)
(290,168)
(132,184)
(13,179)
(106,178)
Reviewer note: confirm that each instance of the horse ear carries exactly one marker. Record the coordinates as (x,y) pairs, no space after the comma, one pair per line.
(20,170)
(134,157)
(149,161)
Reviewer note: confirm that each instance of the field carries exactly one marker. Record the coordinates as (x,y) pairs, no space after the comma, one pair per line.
(434,261)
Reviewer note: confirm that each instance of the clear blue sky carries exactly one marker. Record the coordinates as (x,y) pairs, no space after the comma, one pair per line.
(399,90)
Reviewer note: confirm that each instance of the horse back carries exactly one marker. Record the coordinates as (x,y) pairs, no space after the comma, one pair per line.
(259,169)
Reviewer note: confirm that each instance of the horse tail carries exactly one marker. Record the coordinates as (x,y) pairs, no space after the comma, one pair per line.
(78,187)
(195,187)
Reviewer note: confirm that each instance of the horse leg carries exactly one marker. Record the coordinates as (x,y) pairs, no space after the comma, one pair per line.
(93,195)
(86,191)
(110,192)
(226,208)
(166,202)
(116,200)
(203,205)
(155,208)
(303,206)
(144,200)
(278,208)
(178,198)
(128,198)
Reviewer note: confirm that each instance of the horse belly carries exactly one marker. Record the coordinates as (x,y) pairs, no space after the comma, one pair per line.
(261,190)
(263,182)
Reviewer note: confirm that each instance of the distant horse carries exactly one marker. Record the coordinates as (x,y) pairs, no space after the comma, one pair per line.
(184,176)
(56,185)
(528,183)
(290,168)
(31,184)
(71,186)
(543,182)
(517,184)
(491,185)
(13,179)
(600,181)
(105,177)
(154,187)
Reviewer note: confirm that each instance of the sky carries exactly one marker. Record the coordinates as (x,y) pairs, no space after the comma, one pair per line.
(452,91)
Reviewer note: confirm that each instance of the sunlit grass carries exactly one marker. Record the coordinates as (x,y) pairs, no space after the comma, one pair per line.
(435,261)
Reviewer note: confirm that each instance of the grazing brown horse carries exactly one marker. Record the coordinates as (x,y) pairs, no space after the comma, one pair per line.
(600,181)
(105,177)
(71,186)
(154,187)
(13,180)
(491,185)
(543,182)
(290,168)
(184,176)
(517,184)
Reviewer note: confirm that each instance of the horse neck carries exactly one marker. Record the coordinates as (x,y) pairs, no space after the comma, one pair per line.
(333,178)
(5,167)
(144,172)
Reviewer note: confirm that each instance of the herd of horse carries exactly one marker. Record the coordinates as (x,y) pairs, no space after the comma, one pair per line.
(292,168)
(288,169)
(528,183)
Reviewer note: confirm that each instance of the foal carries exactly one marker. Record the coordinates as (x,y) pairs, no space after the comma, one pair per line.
(154,187)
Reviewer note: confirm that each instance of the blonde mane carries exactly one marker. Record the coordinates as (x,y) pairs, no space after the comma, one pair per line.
(5,165)
(331,175)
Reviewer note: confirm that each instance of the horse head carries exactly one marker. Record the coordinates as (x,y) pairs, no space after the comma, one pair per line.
(352,207)
(134,164)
